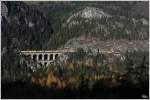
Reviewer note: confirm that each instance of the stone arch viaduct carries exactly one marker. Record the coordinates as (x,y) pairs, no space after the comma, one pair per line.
(46,57)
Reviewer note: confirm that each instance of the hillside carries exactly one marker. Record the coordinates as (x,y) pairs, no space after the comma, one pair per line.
(66,20)
(119,29)
(24,27)
(94,43)
(101,25)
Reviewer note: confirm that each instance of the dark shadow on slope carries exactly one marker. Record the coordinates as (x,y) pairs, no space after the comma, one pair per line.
(26,90)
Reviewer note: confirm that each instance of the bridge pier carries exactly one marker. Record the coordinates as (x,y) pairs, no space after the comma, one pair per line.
(48,56)
(53,56)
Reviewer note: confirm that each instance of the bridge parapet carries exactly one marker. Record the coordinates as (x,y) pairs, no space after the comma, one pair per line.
(48,51)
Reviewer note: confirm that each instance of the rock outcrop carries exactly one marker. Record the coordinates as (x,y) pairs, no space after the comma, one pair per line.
(89,12)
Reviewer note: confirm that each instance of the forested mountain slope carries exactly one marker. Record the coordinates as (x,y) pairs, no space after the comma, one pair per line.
(49,25)
(53,25)
(94,22)
(24,27)
(92,26)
